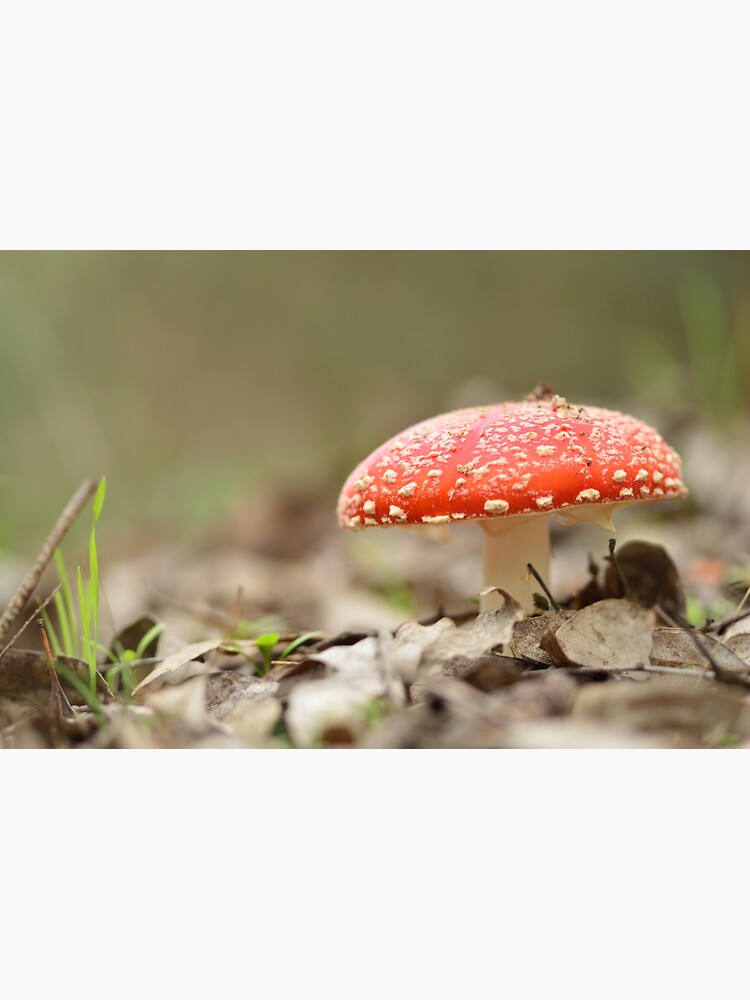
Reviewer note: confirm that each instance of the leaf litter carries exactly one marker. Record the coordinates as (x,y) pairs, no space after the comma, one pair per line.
(318,649)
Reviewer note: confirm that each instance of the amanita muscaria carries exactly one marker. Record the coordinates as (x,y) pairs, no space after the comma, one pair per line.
(510,466)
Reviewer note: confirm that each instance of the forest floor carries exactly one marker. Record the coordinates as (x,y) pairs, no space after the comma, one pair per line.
(282,632)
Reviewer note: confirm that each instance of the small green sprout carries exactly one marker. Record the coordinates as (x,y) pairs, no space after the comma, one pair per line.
(123,658)
(265,644)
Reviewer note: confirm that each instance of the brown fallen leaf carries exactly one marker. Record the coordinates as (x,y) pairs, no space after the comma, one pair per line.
(427,649)
(171,716)
(227,690)
(540,694)
(566,733)
(528,632)
(649,575)
(418,651)
(25,683)
(490,672)
(253,721)
(174,668)
(452,714)
(678,647)
(684,712)
(639,571)
(740,646)
(611,634)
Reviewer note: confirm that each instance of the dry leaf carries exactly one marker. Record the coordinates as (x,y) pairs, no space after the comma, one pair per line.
(253,721)
(25,684)
(650,577)
(182,665)
(225,691)
(528,632)
(336,703)
(677,647)
(540,694)
(611,634)
(682,711)
(490,672)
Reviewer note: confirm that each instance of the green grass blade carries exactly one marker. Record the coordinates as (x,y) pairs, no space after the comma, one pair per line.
(93,598)
(72,645)
(107,652)
(93,587)
(99,499)
(82,688)
(148,638)
(295,643)
(66,632)
(84,598)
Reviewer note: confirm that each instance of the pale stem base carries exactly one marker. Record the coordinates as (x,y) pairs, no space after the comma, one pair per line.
(506,554)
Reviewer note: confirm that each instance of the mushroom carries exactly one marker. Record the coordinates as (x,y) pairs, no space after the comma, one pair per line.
(510,466)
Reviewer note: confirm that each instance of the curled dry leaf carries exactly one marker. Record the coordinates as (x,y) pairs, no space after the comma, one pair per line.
(611,634)
(382,666)
(649,575)
(423,649)
(427,649)
(639,571)
(528,632)
(181,665)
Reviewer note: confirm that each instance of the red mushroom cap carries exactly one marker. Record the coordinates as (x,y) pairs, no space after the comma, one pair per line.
(532,457)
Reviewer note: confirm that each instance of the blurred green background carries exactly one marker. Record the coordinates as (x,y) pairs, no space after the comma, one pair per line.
(193,379)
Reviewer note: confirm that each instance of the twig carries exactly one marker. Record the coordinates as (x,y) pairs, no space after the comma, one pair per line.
(615,563)
(34,614)
(703,650)
(743,602)
(544,586)
(28,586)
(58,703)
(697,672)
(721,626)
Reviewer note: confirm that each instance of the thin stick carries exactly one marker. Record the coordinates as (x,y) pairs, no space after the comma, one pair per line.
(648,668)
(720,627)
(58,703)
(615,562)
(28,586)
(703,650)
(34,615)
(743,602)
(543,585)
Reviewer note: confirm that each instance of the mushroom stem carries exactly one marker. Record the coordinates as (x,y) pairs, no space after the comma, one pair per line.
(508,548)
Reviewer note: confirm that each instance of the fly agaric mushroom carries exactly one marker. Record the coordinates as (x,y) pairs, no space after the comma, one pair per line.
(510,466)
